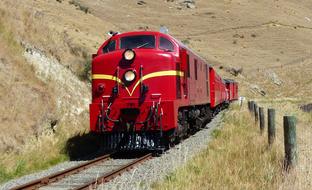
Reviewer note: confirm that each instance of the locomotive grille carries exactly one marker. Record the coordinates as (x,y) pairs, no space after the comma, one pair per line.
(132,141)
(130,111)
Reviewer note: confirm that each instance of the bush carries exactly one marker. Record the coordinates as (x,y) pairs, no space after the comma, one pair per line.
(79,6)
(85,74)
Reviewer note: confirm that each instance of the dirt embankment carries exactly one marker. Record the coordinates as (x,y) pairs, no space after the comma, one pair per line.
(44,71)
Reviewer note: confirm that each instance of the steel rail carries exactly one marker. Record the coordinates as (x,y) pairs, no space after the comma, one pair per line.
(109,176)
(36,184)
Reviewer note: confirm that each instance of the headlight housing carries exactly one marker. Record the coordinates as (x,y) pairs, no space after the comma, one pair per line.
(129,54)
(101,87)
(129,76)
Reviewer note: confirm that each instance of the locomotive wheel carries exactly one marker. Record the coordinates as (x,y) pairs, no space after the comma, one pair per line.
(207,118)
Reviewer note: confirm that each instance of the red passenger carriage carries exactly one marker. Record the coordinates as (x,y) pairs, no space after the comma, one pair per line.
(232,88)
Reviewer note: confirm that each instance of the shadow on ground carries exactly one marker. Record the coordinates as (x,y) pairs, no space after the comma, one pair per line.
(84,146)
(87,146)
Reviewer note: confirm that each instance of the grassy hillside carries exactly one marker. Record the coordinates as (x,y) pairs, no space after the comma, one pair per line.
(44,98)
(45,48)
(22,113)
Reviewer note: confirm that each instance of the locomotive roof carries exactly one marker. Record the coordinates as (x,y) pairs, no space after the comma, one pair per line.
(133,33)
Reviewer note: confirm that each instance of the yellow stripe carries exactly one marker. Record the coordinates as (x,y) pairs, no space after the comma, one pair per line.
(157,74)
(145,77)
(107,77)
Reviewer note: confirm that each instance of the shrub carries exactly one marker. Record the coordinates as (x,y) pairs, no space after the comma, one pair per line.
(79,6)
(85,73)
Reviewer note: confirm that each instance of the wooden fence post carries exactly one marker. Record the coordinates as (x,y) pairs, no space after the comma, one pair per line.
(252,103)
(261,115)
(271,126)
(290,141)
(256,112)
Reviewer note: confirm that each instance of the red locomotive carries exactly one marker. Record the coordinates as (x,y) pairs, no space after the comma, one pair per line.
(149,90)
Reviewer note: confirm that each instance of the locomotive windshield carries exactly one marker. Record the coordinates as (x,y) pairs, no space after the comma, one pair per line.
(141,41)
(111,46)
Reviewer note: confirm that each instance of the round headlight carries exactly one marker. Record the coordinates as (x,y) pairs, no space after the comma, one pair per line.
(129,76)
(129,55)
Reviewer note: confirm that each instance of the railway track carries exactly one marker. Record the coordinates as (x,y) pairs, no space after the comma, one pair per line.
(87,175)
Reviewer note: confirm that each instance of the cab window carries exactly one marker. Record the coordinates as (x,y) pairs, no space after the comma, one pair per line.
(165,44)
(111,46)
(140,41)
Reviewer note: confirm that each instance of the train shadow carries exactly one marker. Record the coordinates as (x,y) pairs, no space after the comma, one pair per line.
(87,146)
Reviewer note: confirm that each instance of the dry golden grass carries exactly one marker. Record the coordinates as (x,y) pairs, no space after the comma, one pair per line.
(301,177)
(22,95)
(239,157)
(58,29)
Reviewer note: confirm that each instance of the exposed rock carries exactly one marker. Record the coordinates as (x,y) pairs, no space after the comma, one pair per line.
(274,78)
(190,4)
(68,87)
(232,70)
(306,108)
(257,90)
(145,28)
(238,36)
(141,2)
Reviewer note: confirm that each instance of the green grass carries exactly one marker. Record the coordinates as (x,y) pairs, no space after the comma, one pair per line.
(47,151)
(30,162)
(24,167)
(85,73)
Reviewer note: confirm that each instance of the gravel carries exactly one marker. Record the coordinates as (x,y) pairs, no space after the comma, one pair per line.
(141,177)
(87,175)
(145,174)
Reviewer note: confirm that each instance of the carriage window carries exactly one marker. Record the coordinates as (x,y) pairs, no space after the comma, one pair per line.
(206,71)
(142,41)
(207,81)
(195,65)
(111,46)
(188,67)
(165,44)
